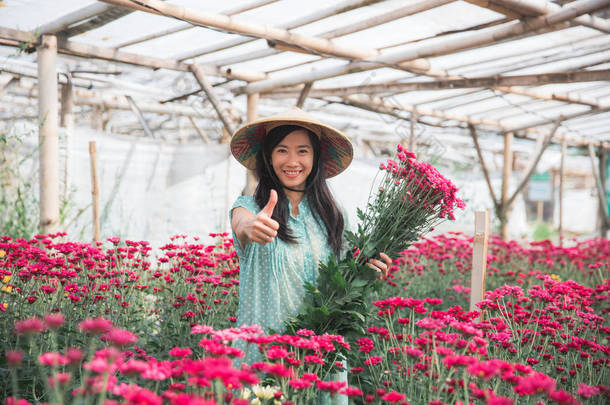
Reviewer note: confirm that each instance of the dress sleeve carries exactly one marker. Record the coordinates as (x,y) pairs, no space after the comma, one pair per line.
(247,202)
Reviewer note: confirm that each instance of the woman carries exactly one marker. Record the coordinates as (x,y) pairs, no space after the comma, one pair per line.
(292,223)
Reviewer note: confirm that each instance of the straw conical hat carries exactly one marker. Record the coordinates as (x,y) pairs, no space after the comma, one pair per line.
(336,149)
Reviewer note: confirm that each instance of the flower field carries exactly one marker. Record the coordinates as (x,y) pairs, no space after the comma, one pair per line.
(110,324)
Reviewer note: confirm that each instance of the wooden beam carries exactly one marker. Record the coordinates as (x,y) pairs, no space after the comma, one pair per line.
(90,51)
(67,122)
(209,91)
(201,133)
(138,113)
(412,135)
(384,106)
(347,29)
(245,27)
(184,27)
(562,175)
(303,95)
(95,194)
(479,258)
(544,7)
(83,20)
(338,8)
(561,118)
(449,45)
(48,135)
(507,169)
(537,79)
(252,109)
(546,142)
(603,181)
(601,192)
(65,21)
(118,102)
(475,139)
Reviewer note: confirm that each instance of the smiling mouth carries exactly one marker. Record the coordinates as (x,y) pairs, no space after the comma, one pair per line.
(292,173)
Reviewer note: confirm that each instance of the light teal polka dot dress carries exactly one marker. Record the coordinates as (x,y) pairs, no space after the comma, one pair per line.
(272,276)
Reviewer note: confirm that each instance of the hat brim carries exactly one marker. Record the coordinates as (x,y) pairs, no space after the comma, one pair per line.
(336,149)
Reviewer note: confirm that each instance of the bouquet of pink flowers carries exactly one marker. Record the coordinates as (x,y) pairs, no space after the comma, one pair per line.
(412,198)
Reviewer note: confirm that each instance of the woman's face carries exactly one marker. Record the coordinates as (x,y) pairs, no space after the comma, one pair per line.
(292,159)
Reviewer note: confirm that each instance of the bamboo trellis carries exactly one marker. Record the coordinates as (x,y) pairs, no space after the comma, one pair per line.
(412,59)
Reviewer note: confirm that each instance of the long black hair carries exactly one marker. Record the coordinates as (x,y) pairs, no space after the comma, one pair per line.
(316,190)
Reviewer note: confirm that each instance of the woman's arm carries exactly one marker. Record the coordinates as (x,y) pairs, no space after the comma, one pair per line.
(259,228)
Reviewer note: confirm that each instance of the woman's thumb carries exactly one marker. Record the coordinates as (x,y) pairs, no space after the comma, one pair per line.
(268,209)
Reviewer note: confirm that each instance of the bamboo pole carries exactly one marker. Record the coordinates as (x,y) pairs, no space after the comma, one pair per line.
(48,135)
(562,175)
(107,101)
(543,7)
(304,93)
(67,121)
(540,211)
(507,169)
(209,91)
(479,258)
(438,48)
(201,133)
(350,28)
(61,23)
(341,7)
(91,51)
(184,27)
(252,108)
(412,135)
(95,192)
(383,106)
(244,27)
(475,139)
(138,113)
(601,192)
(534,162)
(537,79)
(602,175)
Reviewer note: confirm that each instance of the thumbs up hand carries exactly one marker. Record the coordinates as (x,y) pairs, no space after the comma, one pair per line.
(262,229)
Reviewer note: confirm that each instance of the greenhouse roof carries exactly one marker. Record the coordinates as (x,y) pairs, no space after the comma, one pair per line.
(529,67)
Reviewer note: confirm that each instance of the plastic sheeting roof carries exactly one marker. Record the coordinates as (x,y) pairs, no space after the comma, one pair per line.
(574,48)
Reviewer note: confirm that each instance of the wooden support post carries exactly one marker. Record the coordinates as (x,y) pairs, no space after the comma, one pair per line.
(601,193)
(540,211)
(602,175)
(562,175)
(252,109)
(48,135)
(95,192)
(412,136)
(66,121)
(136,110)
(96,117)
(508,163)
(479,258)
(475,139)
(209,92)
(304,93)
(201,133)
(532,164)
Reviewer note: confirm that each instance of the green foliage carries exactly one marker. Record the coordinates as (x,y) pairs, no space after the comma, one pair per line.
(18,201)
(340,303)
(542,232)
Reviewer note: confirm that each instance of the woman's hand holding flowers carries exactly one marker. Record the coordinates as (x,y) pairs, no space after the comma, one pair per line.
(381,267)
